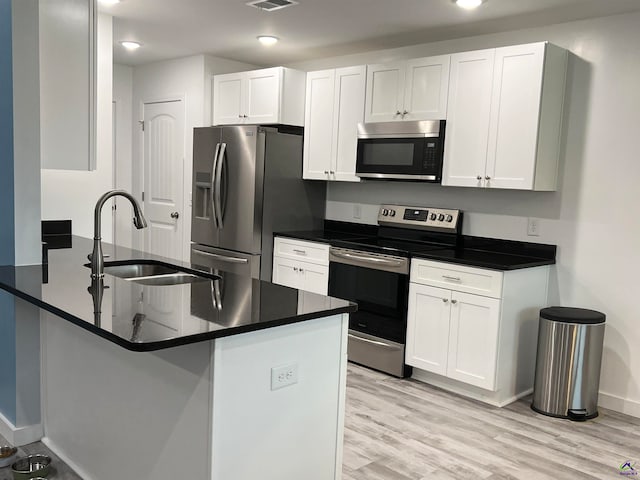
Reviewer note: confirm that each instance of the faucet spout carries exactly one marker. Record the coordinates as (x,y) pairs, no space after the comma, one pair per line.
(97,258)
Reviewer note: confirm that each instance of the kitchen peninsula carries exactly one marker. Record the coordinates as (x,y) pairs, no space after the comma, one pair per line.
(219,377)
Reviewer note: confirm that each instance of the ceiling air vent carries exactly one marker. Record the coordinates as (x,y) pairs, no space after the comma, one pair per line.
(271,5)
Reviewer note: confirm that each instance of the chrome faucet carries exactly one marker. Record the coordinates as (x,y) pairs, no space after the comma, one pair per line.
(97,259)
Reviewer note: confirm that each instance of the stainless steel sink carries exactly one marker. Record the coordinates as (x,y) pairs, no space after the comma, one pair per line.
(151,273)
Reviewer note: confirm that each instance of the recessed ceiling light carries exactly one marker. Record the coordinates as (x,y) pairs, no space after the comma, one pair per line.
(109,2)
(131,45)
(268,40)
(469,4)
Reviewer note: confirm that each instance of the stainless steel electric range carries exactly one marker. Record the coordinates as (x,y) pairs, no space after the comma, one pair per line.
(374,272)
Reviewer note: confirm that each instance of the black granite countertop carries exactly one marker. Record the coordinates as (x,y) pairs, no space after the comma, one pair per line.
(147,317)
(492,253)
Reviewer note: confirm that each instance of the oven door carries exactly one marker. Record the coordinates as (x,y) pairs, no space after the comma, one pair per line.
(379,284)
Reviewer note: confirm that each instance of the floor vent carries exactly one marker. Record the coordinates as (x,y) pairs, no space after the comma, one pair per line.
(271,5)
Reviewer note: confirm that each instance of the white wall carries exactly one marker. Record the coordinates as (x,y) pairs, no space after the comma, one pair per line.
(123,131)
(188,78)
(593,217)
(70,194)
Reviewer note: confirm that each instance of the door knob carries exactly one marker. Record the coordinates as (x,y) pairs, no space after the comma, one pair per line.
(175,215)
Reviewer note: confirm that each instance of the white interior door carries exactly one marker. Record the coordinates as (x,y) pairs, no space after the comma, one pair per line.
(163,178)
(164,157)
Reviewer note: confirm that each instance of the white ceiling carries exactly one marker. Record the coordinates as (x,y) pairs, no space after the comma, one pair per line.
(323,28)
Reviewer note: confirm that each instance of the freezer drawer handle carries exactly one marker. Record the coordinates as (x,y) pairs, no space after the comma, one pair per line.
(223,258)
(374,342)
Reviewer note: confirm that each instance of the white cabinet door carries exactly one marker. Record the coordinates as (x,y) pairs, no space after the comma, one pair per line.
(468,115)
(348,111)
(426,88)
(306,276)
(515,114)
(316,277)
(262,95)
(473,340)
(428,328)
(227,99)
(319,130)
(286,272)
(385,92)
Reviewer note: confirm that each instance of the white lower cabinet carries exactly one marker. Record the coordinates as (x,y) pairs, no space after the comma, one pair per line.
(453,334)
(479,345)
(301,275)
(302,265)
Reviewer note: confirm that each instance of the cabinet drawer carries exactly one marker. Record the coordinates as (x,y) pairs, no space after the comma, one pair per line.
(301,250)
(457,277)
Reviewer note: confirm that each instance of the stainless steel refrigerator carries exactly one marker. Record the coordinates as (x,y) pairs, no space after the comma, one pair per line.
(247,183)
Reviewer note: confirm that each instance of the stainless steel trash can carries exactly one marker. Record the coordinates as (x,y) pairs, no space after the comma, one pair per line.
(568,363)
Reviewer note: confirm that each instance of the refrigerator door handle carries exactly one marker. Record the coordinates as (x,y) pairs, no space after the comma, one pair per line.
(212,190)
(218,190)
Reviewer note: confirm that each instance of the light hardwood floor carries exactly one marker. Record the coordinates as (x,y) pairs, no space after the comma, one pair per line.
(406,430)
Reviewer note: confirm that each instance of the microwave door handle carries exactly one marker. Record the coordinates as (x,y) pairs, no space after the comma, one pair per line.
(218,204)
(212,189)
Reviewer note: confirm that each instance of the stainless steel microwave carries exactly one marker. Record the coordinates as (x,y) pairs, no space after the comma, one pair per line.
(401,150)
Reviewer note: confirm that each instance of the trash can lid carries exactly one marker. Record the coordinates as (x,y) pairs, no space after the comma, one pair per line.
(573,315)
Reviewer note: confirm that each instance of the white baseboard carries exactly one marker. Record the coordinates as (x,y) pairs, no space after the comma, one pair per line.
(19,436)
(65,458)
(619,404)
(496,399)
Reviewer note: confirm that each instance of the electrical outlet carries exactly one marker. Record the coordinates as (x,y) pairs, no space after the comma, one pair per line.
(357,211)
(533,227)
(284,376)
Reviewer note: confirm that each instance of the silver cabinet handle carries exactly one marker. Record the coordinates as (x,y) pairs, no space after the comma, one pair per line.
(239,116)
(404,113)
(175,215)
(222,258)
(218,193)
(300,252)
(295,269)
(479,177)
(398,112)
(487,177)
(455,279)
(332,172)
(326,172)
(245,116)
(454,301)
(301,270)
(445,300)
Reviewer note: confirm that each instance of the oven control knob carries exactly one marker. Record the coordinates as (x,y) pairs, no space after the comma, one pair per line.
(441,217)
(392,213)
(449,218)
(433,216)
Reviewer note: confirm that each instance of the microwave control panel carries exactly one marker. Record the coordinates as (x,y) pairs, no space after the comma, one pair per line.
(427,218)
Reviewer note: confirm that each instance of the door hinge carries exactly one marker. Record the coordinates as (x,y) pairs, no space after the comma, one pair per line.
(141,122)
(143,196)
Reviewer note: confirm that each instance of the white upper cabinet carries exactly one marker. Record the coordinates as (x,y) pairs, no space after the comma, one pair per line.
(334,107)
(409,90)
(469,109)
(266,96)
(504,118)
(68,46)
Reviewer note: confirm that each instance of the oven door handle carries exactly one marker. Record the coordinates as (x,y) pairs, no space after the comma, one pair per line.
(360,258)
(374,342)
